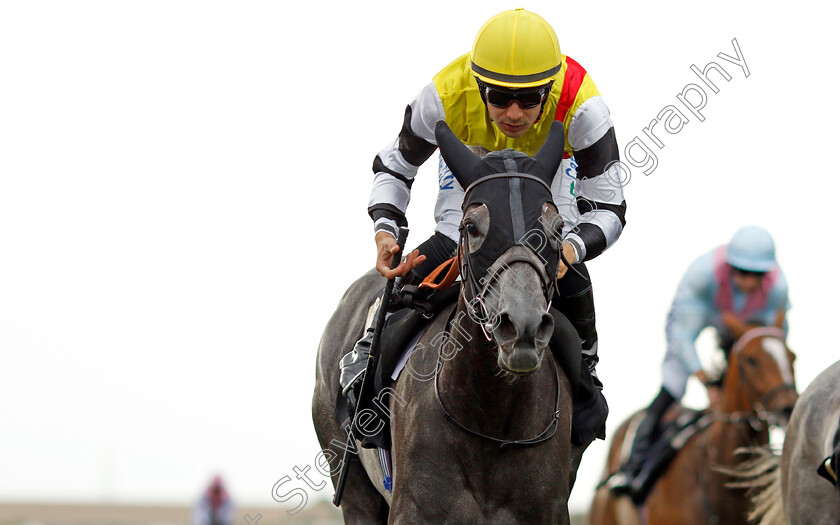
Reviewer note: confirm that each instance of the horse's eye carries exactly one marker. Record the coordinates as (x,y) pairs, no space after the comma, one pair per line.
(471,228)
(752,361)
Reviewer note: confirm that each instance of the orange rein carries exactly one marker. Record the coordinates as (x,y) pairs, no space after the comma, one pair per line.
(449,271)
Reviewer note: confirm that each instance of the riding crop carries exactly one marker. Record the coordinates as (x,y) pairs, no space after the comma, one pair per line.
(365,392)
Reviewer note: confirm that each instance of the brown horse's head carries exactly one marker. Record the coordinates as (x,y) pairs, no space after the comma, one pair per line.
(760,375)
(509,243)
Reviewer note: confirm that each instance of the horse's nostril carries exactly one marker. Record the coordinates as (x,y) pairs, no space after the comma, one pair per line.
(531,329)
(504,329)
(546,329)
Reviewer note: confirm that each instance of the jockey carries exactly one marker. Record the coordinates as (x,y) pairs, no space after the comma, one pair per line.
(505,94)
(740,279)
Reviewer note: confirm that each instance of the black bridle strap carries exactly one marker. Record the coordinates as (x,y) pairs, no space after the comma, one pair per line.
(507,176)
(543,436)
(477,302)
(472,291)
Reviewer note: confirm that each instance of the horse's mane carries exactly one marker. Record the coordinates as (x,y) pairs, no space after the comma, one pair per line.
(761,476)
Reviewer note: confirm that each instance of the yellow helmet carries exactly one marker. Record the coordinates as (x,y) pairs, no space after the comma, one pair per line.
(516,49)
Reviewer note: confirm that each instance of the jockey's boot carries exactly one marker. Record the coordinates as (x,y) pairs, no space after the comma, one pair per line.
(353,363)
(630,478)
(353,366)
(580,311)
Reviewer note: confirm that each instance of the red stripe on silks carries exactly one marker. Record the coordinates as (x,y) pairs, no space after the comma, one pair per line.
(567,155)
(571,84)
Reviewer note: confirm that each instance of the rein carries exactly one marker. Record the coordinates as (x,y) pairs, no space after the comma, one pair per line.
(758,421)
(543,436)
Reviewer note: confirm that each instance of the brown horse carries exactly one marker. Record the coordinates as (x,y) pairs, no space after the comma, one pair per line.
(481,416)
(758,390)
(790,490)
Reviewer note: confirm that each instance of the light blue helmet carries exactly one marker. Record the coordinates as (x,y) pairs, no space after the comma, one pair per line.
(752,249)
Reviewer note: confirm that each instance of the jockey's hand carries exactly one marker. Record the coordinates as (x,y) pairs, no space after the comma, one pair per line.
(712,390)
(729,318)
(386,247)
(569,254)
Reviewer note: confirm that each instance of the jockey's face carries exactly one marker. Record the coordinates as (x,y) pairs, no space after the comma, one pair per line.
(747,282)
(513,120)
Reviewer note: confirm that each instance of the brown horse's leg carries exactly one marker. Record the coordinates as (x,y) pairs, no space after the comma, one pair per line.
(678,497)
(605,507)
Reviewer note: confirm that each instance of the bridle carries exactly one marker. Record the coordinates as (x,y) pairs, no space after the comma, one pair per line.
(765,398)
(543,436)
(473,289)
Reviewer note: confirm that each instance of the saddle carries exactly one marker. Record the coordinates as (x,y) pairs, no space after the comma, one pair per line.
(400,329)
(590,410)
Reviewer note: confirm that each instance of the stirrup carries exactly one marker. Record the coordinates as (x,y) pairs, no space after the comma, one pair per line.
(618,483)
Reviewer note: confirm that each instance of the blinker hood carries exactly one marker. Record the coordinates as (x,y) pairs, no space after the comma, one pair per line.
(514,188)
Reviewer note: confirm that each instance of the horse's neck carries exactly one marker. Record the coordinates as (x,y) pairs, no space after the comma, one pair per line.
(476,390)
(733,427)
(731,430)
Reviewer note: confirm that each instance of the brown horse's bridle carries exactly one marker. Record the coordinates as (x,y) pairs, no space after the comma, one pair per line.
(760,407)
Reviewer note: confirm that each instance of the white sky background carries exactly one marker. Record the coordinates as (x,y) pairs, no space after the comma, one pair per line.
(183,194)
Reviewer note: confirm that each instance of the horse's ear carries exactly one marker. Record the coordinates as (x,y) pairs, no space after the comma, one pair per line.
(461,161)
(735,324)
(551,153)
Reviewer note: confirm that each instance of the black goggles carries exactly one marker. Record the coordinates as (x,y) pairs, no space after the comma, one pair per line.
(501,98)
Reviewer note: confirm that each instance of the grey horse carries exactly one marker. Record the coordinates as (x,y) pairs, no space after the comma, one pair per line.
(481,415)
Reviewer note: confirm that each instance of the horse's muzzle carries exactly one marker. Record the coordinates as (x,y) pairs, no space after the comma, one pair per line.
(522,339)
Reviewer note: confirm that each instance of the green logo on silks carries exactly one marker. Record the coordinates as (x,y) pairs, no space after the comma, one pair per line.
(571,171)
